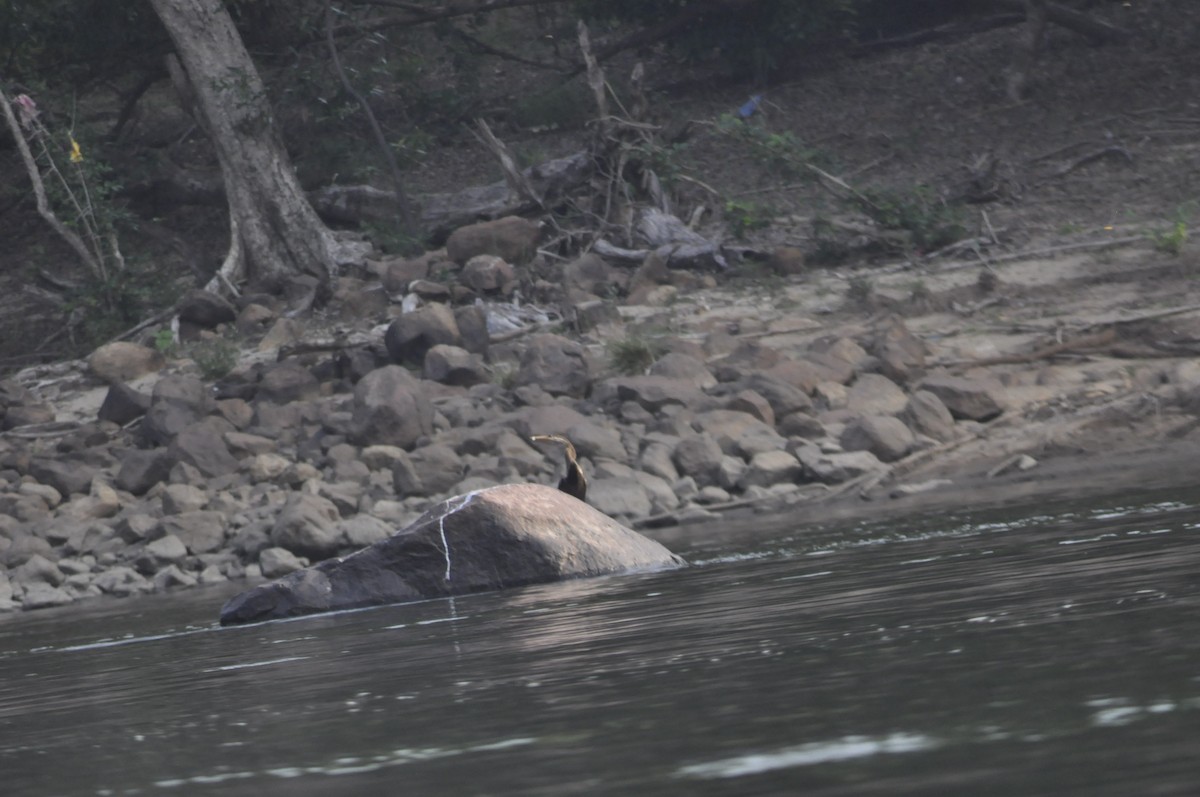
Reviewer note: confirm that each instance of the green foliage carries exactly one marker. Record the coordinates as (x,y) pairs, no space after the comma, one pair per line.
(164,343)
(744,217)
(391,239)
(1170,240)
(215,357)
(932,222)
(631,354)
(80,42)
(829,248)
(860,291)
(783,153)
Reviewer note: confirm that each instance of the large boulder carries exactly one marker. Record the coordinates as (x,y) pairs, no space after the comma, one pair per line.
(511,237)
(967,398)
(556,364)
(390,408)
(121,361)
(176,403)
(412,335)
(505,536)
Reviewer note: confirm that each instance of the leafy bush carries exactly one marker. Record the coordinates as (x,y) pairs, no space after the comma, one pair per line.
(631,355)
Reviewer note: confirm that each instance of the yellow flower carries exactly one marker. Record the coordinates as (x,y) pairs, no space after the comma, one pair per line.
(76,154)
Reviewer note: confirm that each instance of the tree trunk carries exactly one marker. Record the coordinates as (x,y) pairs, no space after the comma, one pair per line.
(280,234)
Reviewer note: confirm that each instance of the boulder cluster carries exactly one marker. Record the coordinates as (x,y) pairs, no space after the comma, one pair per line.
(310,449)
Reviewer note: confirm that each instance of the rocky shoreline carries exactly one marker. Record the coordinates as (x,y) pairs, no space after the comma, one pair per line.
(423,378)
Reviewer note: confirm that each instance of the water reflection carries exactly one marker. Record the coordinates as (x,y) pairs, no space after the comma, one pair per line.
(1016,653)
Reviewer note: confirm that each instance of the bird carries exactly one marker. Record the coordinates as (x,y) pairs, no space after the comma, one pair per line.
(574,483)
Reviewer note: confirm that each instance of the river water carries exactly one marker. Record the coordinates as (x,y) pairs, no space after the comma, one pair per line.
(1022,651)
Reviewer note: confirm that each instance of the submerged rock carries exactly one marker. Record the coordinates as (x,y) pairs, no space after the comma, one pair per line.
(505,536)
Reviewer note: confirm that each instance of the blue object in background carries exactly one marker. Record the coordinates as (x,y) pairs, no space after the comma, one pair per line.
(747,110)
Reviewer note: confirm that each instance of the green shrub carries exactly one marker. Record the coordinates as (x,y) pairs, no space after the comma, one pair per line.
(215,357)
(631,355)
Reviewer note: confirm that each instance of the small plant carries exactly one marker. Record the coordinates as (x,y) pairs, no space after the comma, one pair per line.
(744,217)
(1171,240)
(504,374)
(860,291)
(932,222)
(215,357)
(783,153)
(919,292)
(631,355)
(164,342)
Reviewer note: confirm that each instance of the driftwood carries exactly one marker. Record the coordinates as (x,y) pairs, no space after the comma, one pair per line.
(440,214)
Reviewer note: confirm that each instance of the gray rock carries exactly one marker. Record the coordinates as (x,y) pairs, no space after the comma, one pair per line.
(676,365)
(267,467)
(88,538)
(926,414)
(123,404)
(179,498)
(363,530)
(122,581)
(884,436)
(652,393)
(37,569)
(472,327)
(390,408)
(26,546)
(783,398)
(555,364)
(287,382)
(875,394)
(901,354)
(590,274)
(593,440)
(436,469)
(48,494)
(451,365)
(727,427)
(511,237)
(731,472)
(276,562)
(619,497)
(171,577)
(176,403)
(202,445)
(122,361)
(699,456)
(141,469)
(835,468)
(770,468)
(44,596)
(655,459)
(67,475)
(488,274)
(966,398)
(205,309)
(200,532)
(412,335)
(136,527)
(160,553)
(752,403)
(306,526)
(840,353)
(506,536)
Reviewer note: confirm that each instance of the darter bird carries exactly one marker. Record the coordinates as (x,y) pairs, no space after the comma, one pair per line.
(574,483)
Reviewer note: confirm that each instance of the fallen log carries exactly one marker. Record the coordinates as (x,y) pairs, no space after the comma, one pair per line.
(440,214)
